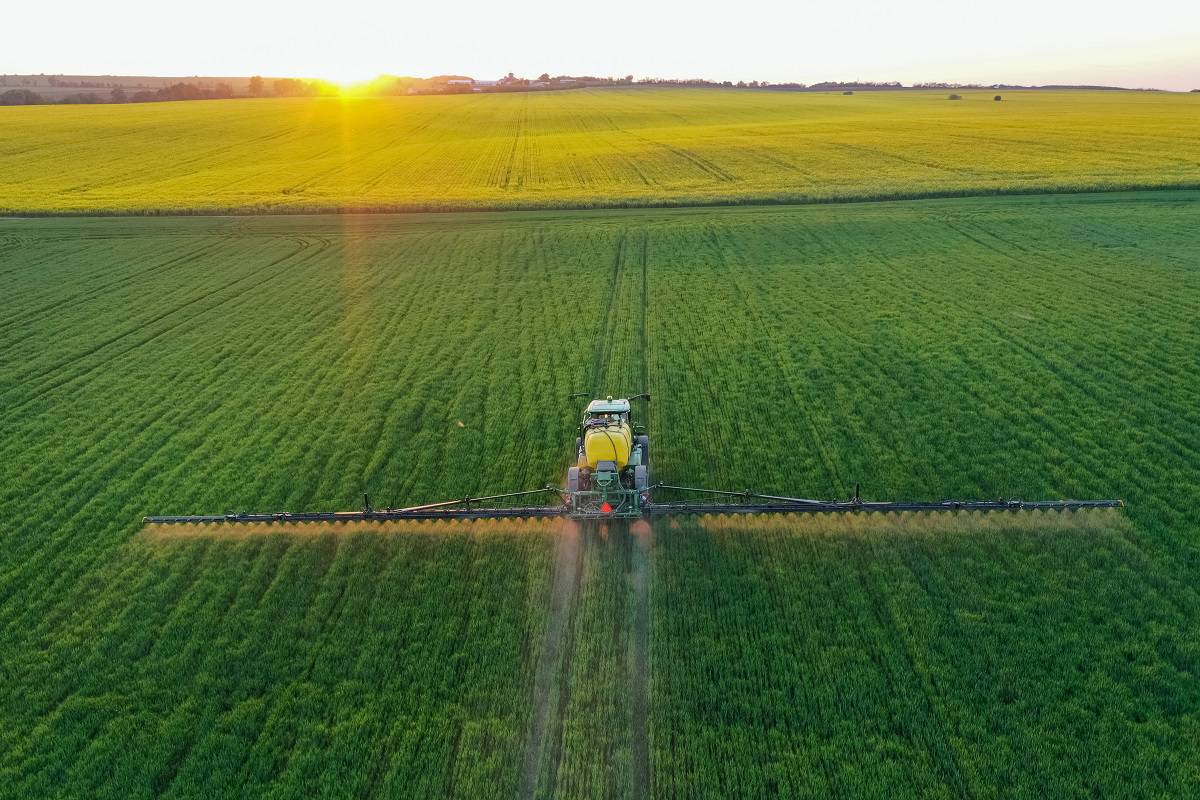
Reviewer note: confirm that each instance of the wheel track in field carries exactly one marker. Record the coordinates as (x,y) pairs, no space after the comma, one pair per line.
(1014,338)
(10,580)
(68,577)
(108,445)
(904,678)
(184,585)
(551,692)
(12,242)
(1037,353)
(303,245)
(603,346)
(97,291)
(267,571)
(645,301)
(342,168)
(16,271)
(64,380)
(639,580)
(134,580)
(779,361)
(522,125)
(704,165)
(1104,283)
(352,365)
(381,765)
(555,660)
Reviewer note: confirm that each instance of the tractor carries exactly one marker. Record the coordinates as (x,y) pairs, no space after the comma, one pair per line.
(611,474)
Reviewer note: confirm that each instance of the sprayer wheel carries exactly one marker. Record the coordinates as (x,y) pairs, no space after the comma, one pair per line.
(644,442)
(641,477)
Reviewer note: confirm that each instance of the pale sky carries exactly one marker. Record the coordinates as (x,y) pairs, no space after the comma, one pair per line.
(1137,44)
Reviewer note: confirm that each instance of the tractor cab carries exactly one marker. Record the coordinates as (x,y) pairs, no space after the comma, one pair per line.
(607,411)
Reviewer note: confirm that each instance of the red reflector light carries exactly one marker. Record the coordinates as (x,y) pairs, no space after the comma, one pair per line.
(605,507)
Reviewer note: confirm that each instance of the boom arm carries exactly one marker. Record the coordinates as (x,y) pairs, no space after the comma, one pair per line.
(756,503)
(750,503)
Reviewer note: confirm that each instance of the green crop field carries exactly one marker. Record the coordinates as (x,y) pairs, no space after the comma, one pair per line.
(592,148)
(991,347)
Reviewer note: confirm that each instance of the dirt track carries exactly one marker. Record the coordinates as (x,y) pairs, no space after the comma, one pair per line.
(568,571)
(553,675)
(639,654)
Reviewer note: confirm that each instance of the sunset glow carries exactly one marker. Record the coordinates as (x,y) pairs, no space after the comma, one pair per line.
(1030,42)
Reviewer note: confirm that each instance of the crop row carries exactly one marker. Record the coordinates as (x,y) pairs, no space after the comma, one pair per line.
(812,657)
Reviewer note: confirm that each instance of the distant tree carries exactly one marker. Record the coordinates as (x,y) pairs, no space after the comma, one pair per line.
(627,79)
(287,87)
(21,97)
(955,97)
(997,98)
(181,91)
(545,76)
(118,95)
(222,91)
(256,86)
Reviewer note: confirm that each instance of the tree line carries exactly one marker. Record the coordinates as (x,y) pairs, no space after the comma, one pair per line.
(449,84)
(281,87)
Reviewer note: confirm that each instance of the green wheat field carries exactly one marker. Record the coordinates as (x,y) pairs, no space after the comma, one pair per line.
(1037,345)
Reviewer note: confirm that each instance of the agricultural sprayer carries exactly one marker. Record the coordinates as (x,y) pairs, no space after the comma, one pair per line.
(610,478)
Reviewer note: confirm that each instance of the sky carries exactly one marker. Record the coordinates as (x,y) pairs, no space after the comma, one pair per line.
(1150,43)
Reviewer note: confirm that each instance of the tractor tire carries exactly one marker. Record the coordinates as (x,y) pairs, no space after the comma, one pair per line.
(573,480)
(641,477)
(644,441)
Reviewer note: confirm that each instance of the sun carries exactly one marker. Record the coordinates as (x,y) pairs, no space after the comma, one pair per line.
(348,81)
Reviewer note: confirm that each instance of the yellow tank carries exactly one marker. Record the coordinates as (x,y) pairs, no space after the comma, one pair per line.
(610,442)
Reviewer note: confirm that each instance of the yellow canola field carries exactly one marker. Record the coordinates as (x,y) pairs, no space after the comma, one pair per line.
(588,148)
